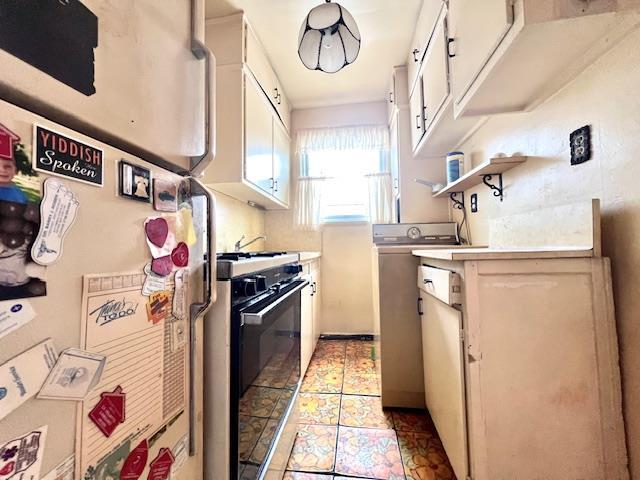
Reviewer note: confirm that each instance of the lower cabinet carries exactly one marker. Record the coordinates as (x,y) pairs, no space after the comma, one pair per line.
(306,328)
(521,367)
(311,314)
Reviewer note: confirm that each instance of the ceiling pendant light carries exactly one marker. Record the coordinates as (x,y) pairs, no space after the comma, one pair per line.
(329,38)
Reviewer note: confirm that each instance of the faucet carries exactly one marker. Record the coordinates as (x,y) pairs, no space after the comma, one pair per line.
(239,245)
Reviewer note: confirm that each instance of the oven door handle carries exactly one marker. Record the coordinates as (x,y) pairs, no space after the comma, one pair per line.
(256,318)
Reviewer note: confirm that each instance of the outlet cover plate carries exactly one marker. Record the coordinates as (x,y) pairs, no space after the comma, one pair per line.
(580,142)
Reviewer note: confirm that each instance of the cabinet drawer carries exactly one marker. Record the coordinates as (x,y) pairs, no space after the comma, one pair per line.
(442,284)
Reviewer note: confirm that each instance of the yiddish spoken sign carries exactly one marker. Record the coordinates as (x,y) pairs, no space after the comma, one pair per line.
(60,155)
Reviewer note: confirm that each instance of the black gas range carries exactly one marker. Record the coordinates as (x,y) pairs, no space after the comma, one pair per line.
(265,316)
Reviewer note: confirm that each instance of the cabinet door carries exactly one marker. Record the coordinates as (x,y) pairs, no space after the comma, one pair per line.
(394,155)
(421,35)
(477,28)
(317,302)
(306,328)
(259,65)
(442,353)
(417,117)
(435,79)
(281,162)
(258,138)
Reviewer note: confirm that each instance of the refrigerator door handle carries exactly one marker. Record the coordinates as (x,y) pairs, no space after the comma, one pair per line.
(198,309)
(200,162)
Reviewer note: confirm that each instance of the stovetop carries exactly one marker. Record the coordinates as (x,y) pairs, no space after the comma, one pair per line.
(236,264)
(236,256)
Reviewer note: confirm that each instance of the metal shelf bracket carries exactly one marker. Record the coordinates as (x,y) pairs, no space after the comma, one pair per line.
(497,189)
(458,204)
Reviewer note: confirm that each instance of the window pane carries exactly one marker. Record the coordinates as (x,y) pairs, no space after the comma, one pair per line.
(346,190)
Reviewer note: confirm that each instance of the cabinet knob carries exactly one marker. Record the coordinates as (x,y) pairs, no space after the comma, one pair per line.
(420,311)
(418,122)
(390,97)
(415,55)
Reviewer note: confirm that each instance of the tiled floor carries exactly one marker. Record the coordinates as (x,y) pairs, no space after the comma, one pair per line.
(345,434)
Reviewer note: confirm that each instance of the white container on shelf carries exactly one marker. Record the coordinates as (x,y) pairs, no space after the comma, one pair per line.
(455,166)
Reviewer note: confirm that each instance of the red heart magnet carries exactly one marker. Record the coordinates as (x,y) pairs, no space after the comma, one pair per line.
(180,255)
(157,231)
(162,266)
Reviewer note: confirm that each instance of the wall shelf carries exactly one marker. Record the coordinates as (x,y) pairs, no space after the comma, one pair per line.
(494,166)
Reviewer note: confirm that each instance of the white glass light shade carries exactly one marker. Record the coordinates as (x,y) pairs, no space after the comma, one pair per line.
(329,38)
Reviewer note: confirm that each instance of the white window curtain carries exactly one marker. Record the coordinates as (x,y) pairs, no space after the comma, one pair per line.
(308,202)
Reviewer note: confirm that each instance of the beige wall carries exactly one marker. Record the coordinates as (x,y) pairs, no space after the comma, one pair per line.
(234,219)
(346,248)
(606,97)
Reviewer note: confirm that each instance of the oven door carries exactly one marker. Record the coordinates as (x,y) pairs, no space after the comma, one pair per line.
(268,373)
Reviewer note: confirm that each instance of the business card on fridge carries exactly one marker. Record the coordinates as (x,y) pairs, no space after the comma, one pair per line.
(22,377)
(74,375)
(14,314)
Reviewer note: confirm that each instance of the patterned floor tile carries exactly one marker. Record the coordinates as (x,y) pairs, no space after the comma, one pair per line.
(322,382)
(261,449)
(371,453)
(361,384)
(305,476)
(359,411)
(259,401)
(249,432)
(360,366)
(314,449)
(424,457)
(413,421)
(319,408)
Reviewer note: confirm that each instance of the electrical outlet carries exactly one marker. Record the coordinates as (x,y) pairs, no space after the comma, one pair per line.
(580,143)
(474,203)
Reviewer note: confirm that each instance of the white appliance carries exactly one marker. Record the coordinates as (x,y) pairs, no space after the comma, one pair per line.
(139,87)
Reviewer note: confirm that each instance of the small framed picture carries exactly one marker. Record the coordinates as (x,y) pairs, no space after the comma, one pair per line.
(165,193)
(135,182)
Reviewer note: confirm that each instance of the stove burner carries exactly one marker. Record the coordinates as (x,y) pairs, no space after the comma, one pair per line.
(237,256)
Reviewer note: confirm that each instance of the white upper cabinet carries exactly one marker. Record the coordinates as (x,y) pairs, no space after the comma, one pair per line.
(253,160)
(424,28)
(435,76)
(510,55)
(417,115)
(281,163)
(258,167)
(477,28)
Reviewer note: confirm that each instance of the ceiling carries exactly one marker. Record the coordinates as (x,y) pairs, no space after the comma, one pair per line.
(386,27)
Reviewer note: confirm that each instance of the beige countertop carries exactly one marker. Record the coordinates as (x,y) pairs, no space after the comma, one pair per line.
(309,256)
(504,253)
(411,248)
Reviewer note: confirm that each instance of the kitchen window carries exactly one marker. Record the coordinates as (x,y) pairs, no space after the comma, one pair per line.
(344,176)
(346,188)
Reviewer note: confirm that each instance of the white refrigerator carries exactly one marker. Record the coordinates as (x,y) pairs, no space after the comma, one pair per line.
(106,122)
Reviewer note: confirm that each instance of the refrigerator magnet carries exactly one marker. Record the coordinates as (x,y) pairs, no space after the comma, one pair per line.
(158,307)
(63,156)
(109,412)
(136,462)
(165,195)
(58,211)
(160,467)
(21,457)
(73,376)
(135,182)
(180,255)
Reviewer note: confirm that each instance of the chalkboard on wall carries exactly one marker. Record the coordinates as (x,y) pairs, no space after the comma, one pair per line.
(57,37)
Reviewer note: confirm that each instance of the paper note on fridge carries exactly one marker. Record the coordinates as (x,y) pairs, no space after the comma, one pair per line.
(22,377)
(14,314)
(74,375)
(21,458)
(58,211)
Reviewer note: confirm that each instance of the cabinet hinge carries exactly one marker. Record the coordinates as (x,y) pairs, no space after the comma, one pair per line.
(462,336)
